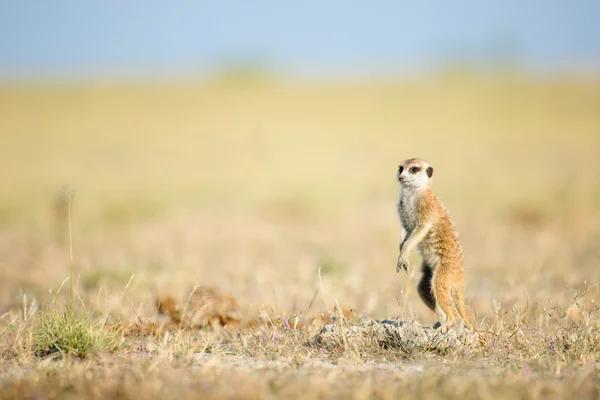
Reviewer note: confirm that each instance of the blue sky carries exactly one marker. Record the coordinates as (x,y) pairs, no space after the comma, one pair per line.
(63,38)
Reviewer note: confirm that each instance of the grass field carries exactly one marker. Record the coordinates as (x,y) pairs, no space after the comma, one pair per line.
(217,225)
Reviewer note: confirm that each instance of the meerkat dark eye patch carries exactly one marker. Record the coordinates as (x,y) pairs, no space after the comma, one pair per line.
(414,170)
(400,169)
(429,171)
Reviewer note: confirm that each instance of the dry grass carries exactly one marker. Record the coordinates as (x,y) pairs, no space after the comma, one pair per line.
(203,213)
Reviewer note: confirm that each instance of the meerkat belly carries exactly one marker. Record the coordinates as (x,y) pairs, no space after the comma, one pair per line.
(440,245)
(433,247)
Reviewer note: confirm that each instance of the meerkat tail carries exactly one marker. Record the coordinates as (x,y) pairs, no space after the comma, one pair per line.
(460,306)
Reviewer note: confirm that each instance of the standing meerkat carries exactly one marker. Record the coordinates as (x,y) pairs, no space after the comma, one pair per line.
(426,223)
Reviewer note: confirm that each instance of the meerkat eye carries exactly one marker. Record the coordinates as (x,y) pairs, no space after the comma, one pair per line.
(400,169)
(414,170)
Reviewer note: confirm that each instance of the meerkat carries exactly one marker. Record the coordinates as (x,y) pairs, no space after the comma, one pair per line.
(426,223)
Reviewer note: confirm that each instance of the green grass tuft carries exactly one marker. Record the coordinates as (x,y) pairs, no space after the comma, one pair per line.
(69,332)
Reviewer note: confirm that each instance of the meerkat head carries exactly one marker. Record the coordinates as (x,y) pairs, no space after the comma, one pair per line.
(415,173)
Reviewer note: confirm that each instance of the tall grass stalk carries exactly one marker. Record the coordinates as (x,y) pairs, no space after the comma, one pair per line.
(63,207)
(68,198)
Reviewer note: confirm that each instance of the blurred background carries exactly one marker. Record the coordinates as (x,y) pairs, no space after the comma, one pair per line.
(248,145)
(70,40)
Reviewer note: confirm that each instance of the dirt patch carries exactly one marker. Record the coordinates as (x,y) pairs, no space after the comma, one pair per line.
(209,307)
(407,336)
(205,307)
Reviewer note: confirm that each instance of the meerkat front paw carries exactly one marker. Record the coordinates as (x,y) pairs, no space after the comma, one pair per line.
(402,264)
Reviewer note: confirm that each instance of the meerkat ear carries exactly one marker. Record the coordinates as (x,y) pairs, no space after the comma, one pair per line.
(429,171)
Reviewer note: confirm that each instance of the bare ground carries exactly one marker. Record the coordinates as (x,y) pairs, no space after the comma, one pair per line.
(219,228)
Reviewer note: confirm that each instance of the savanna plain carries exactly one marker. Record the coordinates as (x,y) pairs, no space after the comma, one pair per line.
(192,239)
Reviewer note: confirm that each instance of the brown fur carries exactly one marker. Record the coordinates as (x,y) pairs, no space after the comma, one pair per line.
(428,225)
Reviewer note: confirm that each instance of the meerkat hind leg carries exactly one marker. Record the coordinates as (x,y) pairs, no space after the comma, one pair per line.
(425,289)
(460,306)
(443,301)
